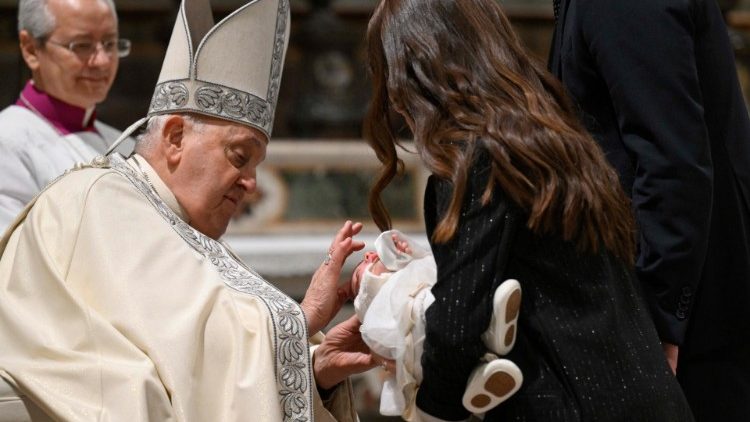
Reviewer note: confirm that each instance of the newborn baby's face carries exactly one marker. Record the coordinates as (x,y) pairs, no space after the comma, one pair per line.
(377,268)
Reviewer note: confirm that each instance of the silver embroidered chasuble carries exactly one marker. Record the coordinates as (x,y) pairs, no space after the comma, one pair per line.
(113,308)
(292,357)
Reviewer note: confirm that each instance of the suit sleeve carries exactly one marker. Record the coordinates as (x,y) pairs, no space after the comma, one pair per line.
(644,52)
(462,308)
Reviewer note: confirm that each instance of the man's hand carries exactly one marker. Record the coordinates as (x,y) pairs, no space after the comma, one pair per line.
(342,353)
(671,351)
(324,298)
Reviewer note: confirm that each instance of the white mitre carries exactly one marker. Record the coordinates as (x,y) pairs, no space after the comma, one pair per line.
(230,70)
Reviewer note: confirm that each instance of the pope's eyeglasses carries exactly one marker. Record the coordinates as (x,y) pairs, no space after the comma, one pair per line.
(86,49)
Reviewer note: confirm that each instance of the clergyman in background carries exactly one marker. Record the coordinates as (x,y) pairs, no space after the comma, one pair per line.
(72,48)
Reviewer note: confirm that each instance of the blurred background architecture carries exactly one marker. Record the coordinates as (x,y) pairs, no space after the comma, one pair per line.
(318,169)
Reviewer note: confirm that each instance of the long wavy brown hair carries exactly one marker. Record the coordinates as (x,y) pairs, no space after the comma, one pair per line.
(457,73)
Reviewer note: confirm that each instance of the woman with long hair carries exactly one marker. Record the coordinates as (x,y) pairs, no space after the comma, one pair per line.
(518,190)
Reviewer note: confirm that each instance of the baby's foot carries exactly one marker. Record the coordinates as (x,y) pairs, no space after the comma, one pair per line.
(506,305)
(491,384)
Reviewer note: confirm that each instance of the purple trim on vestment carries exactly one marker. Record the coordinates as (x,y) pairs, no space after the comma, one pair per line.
(64,117)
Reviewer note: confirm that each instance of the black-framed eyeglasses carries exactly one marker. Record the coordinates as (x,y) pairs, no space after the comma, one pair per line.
(86,49)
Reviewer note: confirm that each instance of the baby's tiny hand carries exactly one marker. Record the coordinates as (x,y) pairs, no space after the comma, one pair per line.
(401,245)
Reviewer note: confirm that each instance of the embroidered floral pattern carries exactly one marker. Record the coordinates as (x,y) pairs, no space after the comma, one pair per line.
(278,54)
(170,95)
(293,365)
(233,104)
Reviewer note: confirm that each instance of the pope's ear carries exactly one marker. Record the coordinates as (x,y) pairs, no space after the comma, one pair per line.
(29,49)
(173,138)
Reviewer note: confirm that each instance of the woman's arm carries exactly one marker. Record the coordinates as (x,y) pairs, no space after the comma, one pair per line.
(466,271)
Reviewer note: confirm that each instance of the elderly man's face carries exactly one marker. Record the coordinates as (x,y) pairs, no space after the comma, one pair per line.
(77,80)
(216,169)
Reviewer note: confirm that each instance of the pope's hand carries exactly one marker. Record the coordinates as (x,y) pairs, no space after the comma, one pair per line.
(324,298)
(342,354)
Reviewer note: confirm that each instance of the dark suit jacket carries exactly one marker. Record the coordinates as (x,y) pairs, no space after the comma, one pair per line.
(585,344)
(656,85)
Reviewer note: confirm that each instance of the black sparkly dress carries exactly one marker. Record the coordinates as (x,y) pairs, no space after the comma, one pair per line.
(586,345)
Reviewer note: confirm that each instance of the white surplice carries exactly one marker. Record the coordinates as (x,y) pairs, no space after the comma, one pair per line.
(33,153)
(112,308)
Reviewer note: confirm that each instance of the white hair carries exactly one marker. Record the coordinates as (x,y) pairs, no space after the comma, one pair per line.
(35,17)
(155,124)
(144,141)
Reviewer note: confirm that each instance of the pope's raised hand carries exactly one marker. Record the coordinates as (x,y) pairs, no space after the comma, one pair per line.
(323,298)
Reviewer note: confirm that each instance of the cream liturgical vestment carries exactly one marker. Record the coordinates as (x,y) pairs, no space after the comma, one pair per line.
(112,308)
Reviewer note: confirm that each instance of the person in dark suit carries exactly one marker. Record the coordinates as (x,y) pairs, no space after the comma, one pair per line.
(518,190)
(656,85)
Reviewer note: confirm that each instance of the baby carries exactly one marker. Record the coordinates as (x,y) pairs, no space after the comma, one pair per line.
(392,287)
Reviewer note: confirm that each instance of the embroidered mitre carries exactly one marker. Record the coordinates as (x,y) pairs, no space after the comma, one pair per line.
(230,70)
